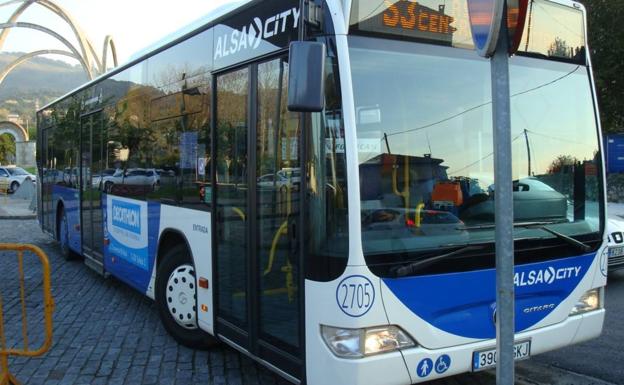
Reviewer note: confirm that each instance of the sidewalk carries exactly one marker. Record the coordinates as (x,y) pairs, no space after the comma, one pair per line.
(15,208)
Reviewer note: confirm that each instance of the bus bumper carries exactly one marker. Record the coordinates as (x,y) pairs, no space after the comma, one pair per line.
(574,330)
(402,368)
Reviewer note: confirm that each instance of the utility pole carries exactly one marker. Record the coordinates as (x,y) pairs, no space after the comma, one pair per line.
(526,138)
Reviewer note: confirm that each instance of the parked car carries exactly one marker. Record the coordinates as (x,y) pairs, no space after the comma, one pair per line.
(16,176)
(97,180)
(615,229)
(533,201)
(272,181)
(131,177)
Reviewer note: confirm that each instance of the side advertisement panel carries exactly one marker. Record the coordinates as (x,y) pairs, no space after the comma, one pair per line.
(130,238)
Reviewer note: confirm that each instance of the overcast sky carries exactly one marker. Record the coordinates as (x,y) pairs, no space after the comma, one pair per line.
(134,24)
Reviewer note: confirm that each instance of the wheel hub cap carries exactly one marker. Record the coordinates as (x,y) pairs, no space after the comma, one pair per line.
(181,297)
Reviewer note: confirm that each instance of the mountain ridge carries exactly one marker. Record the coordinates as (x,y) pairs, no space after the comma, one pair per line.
(39,73)
(35,83)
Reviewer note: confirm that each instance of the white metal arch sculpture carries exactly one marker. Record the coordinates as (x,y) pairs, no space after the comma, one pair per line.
(60,38)
(24,58)
(87,55)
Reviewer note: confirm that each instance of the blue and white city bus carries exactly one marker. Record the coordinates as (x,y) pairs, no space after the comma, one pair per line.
(312,184)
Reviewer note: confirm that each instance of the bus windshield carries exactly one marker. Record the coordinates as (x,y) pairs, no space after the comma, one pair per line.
(425,152)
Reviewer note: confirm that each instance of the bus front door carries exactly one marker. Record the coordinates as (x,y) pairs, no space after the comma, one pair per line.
(257,222)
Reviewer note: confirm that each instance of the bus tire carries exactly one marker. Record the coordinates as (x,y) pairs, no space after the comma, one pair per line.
(176,299)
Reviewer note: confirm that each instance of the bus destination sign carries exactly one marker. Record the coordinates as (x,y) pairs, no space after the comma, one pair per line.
(409,19)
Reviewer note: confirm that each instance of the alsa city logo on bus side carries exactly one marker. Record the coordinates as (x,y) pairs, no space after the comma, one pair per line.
(546,276)
(252,36)
(126,216)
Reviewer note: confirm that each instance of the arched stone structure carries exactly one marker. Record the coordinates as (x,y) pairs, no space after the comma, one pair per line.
(24,147)
(16,130)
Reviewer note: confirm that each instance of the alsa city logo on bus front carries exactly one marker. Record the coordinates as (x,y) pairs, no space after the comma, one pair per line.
(252,36)
(546,276)
(126,216)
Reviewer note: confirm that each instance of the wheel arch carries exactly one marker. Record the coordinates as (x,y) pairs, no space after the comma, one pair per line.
(170,238)
(60,205)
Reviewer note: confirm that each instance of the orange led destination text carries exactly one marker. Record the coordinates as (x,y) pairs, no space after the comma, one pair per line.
(411,15)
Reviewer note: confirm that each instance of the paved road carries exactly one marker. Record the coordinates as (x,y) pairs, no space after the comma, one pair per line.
(107,333)
(604,357)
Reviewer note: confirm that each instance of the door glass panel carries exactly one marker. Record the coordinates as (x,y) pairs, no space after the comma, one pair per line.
(277,193)
(85,178)
(232,190)
(98,140)
(46,185)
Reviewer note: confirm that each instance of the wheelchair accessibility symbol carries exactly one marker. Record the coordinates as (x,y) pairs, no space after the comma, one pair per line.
(442,364)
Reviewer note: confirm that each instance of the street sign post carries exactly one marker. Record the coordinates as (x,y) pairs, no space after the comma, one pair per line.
(497,27)
(505,296)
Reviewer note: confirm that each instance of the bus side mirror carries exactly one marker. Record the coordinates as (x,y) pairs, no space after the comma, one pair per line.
(306,86)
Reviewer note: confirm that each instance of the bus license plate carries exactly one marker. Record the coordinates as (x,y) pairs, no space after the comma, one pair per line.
(616,251)
(487,358)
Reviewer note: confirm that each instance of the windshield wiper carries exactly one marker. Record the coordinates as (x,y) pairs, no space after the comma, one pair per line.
(541,226)
(516,224)
(414,267)
(569,240)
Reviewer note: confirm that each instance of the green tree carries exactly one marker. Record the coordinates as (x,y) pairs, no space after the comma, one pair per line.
(559,48)
(7,149)
(561,163)
(606,42)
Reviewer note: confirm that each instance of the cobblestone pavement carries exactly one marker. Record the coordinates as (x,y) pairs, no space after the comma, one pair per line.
(106,333)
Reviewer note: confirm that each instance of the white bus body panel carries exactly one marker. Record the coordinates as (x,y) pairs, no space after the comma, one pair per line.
(196,227)
(323,308)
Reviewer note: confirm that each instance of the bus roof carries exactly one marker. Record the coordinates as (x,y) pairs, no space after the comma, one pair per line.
(187,31)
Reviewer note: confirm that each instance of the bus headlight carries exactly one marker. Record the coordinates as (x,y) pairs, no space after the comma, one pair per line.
(359,343)
(590,301)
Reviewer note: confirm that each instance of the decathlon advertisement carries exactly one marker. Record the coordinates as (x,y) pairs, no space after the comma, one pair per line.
(130,234)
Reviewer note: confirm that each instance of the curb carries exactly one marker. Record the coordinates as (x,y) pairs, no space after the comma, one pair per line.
(533,373)
(551,375)
(15,217)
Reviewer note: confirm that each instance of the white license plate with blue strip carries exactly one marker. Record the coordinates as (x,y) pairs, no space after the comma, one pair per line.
(486,359)
(615,251)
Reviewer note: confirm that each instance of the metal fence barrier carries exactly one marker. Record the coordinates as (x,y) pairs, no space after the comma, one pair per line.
(6,378)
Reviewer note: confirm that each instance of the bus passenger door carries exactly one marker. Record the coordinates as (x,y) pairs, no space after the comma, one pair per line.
(257,215)
(90,197)
(277,189)
(231,210)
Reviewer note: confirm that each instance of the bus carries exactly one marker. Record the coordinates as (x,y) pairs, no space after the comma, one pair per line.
(312,184)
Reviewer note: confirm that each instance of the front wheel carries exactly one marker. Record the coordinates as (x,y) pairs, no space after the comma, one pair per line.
(176,299)
(14,186)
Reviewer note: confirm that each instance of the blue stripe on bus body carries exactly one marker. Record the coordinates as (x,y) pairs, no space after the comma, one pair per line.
(463,304)
(71,204)
(133,266)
